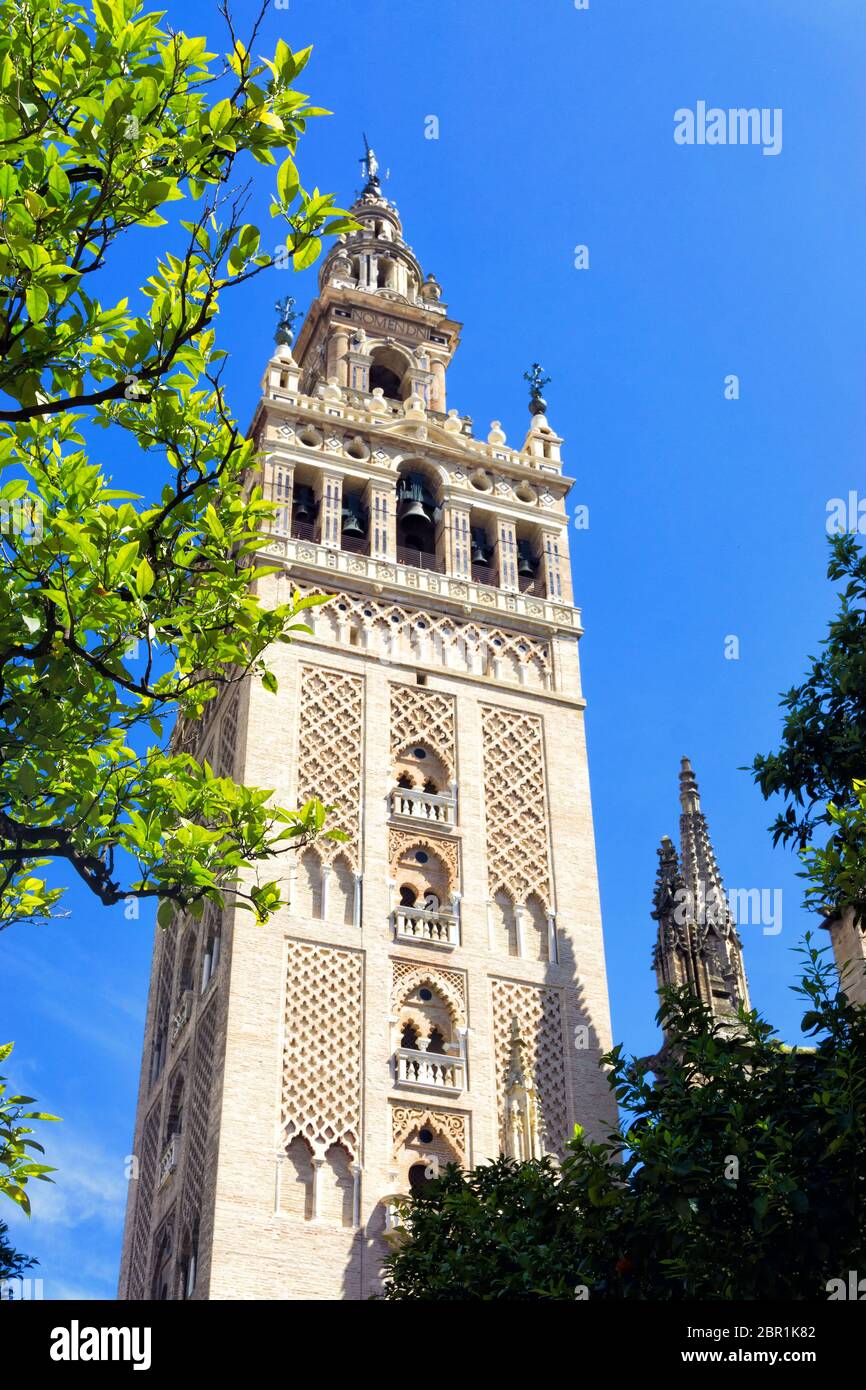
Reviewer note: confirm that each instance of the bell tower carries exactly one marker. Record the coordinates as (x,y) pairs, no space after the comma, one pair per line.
(434,989)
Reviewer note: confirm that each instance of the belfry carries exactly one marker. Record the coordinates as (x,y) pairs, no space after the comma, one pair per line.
(434,988)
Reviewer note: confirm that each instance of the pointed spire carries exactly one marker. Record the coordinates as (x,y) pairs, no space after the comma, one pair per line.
(689,796)
(696,944)
(522,1120)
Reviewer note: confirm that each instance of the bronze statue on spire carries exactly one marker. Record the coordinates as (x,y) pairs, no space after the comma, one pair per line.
(370,166)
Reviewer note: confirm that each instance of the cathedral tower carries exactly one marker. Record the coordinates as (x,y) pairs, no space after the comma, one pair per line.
(697,944)
(435,988)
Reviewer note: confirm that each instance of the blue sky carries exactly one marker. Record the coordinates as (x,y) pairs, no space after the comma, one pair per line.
(707,516)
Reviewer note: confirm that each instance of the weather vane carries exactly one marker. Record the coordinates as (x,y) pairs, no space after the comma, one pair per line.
(369,163)
(537,382)
(286,321)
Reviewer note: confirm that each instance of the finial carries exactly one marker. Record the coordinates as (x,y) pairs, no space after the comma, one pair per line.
(286,322)
(370,165)
(689,796)
(537,382)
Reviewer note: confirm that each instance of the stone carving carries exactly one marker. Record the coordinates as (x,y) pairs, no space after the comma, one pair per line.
(321,1095)
(138,1262)
(406,1119)
(423,716)
(330,724)
(199,1116)
(401,841)
(408,976)
(538,1011)
(515,805)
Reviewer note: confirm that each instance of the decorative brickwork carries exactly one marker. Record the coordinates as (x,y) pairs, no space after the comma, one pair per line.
(538,1011)
(515,805)
(330,722)
(423,716)
(322,1051)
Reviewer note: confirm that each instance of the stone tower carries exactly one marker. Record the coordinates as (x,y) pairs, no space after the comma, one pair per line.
(435,988)
(697,944)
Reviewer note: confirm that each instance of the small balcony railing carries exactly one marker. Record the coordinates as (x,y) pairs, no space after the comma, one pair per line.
(181,1015)
(427,806)
(420,559)
(170,1159)
(430,1071)
(421,927)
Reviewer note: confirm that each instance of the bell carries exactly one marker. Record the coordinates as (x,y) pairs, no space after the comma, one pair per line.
(480,550)
(353,518)
(305,505)
(526,561)
(414,501)
(413,511)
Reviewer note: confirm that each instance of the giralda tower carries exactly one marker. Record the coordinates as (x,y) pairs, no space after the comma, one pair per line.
(435,989)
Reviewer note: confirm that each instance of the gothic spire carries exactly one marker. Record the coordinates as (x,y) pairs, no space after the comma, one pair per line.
(697,944)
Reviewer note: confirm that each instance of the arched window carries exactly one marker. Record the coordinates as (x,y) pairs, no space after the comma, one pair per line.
(211,953)
(309,886)
(337,1187)
(408,896)
(157,1056)
(341,892)
(174,1115)
(504,925)
(187,965)
(160,1284)
(296,1187)
(535,943)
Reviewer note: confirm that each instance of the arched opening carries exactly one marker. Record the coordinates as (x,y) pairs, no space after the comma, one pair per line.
(189,1265)
(535,930)
(388,371)
(354,523)
(341,892)
(187,964)
(337,1196)
(418,518)
(420,1174)
(309,886)
(160,1283)
(504,924)
(174,1115)
(211,953)
(296,1187)
(408,895)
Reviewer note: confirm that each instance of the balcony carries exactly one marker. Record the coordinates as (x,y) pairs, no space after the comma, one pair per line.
(170,1159)
(430,1071)
(420,559)
(418,579)
(181,1015)
(420,927)
(432,807)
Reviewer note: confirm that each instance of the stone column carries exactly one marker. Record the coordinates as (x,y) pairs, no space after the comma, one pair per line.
(457,538)
(554,559)
(358,370)
(506,548)
(330,510)
(383,520)
(277,487)
(338,345)
(438,396)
